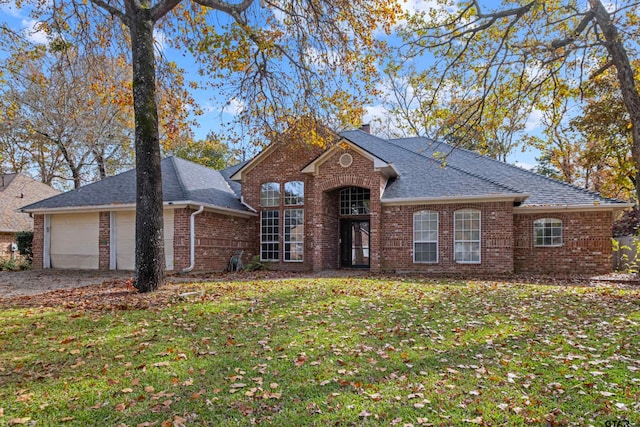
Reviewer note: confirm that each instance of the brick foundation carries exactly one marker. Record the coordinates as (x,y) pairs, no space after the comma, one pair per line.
(586,244)
(217,238)
(496,239)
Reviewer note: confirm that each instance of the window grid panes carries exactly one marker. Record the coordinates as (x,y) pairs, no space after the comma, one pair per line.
(270,194)
(294,193)
(547,232)
(294,235)
(354,201)
(425,237)
(270,235)
(467,236)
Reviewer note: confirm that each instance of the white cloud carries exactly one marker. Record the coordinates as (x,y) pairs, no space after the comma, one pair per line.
(10,9)
(374,113)
(159,40)
(527,166)
(534,121)
(415,6)
(234,107)
(32,31)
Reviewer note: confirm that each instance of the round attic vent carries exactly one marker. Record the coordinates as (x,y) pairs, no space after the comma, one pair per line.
(346,160)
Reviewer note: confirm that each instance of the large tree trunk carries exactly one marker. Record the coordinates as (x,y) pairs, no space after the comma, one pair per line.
(625,76)
(149,225)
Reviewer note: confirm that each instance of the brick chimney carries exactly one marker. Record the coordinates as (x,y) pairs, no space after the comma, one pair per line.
(366,128)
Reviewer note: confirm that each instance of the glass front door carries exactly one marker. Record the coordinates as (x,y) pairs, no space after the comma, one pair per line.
(354,243)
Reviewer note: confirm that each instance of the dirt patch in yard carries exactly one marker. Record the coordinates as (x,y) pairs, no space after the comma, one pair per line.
(33,282)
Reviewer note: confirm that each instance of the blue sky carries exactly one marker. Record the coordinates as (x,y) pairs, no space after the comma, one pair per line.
(218,110)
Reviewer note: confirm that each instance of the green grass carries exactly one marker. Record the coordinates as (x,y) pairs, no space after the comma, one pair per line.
(327,352)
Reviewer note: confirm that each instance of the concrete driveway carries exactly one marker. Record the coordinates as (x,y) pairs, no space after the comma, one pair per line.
(32,282)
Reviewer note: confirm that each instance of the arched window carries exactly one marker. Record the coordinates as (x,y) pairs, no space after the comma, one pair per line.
(270,194)
(425,237)
(355,201)
(466,239)
(547,232)
(293,193)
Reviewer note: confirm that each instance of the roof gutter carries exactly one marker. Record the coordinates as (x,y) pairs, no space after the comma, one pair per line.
(131,206)
(596,206)
(192,239)
(455,199)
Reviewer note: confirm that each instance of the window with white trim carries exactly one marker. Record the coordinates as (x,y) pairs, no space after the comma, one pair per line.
(466,236)
(547,232)
(270,194)
(294,193)
(425,237)
(269,235)
(294,235)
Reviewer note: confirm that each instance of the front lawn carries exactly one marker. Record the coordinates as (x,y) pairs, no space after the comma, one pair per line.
(295,352)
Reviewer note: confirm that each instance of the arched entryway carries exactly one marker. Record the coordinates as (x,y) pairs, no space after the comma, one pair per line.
(355,227)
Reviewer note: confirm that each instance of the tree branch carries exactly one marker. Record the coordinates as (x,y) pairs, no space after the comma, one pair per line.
(588,17)
(223,6)
(162,8)
(601,70)
(112,10)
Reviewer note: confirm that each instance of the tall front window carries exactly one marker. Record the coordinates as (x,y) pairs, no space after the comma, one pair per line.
(354,201)
(270,194)
(294,235)
(425,237)
(270,235)
(547,232)
(466,230)
(293,193)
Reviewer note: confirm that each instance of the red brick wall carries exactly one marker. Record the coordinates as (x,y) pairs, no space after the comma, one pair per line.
(104,240)
(496,239)
(283,164)
(332,176)
(586,247)
(38,241)
(217,238)
(6,239)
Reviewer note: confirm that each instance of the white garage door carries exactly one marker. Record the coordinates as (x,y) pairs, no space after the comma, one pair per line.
(125,240)
(74,241)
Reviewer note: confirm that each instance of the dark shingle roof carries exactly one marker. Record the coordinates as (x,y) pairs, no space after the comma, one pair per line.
(228,172)
(181,181)
(424,173)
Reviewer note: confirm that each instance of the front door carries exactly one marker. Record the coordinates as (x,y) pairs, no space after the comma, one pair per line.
(354,243)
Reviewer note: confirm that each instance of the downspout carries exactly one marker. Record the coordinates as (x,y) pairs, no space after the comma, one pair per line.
(192,239)
(245,204)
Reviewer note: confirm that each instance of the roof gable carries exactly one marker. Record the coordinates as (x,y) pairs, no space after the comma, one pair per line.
(182,182)
(17,190)
(378,164)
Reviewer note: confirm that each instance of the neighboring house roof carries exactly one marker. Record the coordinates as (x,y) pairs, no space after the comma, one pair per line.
(430,169)
(16,190)
(183,182)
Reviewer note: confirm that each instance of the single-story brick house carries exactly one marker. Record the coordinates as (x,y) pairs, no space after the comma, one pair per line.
(403,205)
(16,190)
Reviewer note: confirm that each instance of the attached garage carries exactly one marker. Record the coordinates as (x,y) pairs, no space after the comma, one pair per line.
(123,238)
(74,240)
(93,227)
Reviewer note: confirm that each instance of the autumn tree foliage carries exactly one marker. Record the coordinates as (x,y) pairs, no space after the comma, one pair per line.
(281,59)
(541,52)
(65,114)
